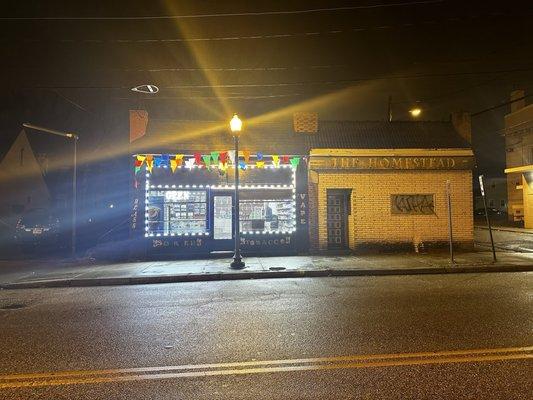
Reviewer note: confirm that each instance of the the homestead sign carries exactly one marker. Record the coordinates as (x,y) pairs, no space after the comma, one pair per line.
(408,163)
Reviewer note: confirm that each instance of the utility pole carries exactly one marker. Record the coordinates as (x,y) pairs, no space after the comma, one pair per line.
(75,137)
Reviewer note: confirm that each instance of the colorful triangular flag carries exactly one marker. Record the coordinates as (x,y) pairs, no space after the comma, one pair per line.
(173,165)
(149,163)
(190,163)
(295,161)
(207,160)
(165,160)
(141,159)
(231,155)
(246,155)
(223,157)
(198,158)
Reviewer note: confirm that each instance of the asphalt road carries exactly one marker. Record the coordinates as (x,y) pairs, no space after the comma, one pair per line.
(396,337)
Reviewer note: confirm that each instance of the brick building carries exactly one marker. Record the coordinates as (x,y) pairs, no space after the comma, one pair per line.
(358,185)
(383,184)
(519,159)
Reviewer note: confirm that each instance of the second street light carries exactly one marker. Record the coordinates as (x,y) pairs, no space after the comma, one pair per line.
(74,137)
(236,128)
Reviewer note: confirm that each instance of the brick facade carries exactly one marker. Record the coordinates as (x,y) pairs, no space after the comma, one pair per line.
(313,215)
(371,221)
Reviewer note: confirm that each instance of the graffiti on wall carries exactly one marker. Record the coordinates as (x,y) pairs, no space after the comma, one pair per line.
(413,204)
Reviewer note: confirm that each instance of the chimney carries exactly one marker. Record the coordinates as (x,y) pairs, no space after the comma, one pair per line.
(517,105)
(463,125)
(305,122)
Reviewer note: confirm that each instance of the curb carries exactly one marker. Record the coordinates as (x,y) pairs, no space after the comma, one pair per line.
(522,250)
(229,276)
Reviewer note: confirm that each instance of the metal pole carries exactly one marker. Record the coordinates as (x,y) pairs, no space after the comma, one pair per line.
(481,186)
(48,130)
(74,195)
(75,137)
(450,231)
(237,260)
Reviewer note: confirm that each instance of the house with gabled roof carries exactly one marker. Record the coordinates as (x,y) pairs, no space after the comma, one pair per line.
(22,184)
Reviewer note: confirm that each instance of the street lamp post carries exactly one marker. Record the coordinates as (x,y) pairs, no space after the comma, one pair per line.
(75,137)
(236,127)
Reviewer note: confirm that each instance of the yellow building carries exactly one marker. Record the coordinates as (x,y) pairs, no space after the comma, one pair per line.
(384,184)
(519,159)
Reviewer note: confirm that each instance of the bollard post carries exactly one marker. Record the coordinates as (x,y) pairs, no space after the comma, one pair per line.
(481,186)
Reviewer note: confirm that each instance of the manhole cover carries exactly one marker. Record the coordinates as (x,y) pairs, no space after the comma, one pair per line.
(276,268)
(12,306)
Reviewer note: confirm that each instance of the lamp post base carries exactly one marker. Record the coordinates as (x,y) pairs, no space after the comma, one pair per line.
(237,263)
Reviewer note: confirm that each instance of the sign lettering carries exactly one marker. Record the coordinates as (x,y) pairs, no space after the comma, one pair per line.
(398,163)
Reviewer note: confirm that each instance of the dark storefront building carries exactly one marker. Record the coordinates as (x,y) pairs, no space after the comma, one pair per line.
(183,193)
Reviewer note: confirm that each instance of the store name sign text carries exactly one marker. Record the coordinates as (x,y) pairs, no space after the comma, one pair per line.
(408,163)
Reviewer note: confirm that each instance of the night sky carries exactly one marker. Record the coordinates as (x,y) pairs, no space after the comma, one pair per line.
(70,65)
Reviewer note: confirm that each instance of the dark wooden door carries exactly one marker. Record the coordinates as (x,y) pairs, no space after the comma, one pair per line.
(336,220)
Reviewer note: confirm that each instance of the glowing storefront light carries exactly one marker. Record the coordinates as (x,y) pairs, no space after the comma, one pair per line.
(163,200)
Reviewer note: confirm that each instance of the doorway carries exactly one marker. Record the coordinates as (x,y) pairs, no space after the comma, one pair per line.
(337,218)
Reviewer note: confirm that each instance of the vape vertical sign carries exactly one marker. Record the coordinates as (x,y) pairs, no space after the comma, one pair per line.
(302,210)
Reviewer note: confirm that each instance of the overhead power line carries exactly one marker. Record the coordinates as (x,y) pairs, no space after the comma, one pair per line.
(332,82)
(303,83)
(240,14)
(197,69)
(258,36)
(500,105)
(243,97)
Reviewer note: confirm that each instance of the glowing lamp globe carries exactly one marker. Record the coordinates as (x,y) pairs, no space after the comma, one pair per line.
(415,112)
(235,124)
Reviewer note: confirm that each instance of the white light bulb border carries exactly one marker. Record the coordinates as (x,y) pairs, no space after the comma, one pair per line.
(291,187)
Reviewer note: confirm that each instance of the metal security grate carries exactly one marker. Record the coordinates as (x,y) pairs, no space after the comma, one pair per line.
(336,220)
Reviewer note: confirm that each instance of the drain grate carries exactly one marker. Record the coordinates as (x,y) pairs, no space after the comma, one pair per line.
(277,268)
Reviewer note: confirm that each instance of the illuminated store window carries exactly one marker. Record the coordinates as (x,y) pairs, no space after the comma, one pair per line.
(176,212)
(267,212)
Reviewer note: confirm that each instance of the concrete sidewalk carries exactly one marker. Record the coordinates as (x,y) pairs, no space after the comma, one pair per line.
(51,273)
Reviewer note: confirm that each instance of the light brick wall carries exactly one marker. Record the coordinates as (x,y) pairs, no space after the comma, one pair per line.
(313,215)
(371,220)
(527,192)
(519,151)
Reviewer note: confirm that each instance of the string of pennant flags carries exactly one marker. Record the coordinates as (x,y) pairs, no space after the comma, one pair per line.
(215,159)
